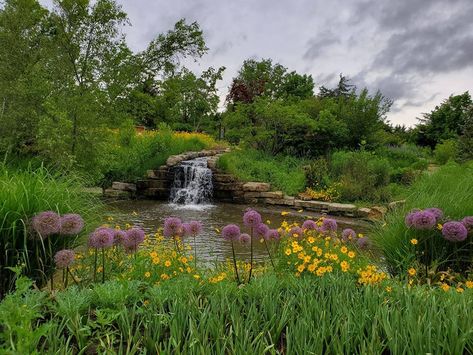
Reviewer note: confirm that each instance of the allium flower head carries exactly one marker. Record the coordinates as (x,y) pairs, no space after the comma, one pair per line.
(231,232)
(71,224)
(454,231)
(468,223)
(195,228)
(296,231)
(363,242)
(261,230)
(244,238)
(64,258)
(101,238)
(272,234)
(186,229)
(251,218)
(134,237)
(46,223)
(409,219)
(437,212)
(348,234)
(172,227)
(309,225)
(329,225)
(423,220)
(119,237)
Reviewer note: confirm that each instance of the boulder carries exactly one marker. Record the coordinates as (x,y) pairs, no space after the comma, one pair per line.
(257,186)
(377,212)
(363,212)
(223,177)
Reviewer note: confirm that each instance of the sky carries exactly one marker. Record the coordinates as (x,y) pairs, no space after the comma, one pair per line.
(416,52)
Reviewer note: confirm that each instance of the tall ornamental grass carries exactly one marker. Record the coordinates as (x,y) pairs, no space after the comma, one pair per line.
(24,193)
(275,314)
(450,188)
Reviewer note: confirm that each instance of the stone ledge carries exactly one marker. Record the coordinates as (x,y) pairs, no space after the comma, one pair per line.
(123,186)
(256,187)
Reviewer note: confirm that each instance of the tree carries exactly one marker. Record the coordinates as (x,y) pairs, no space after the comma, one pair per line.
(343,89)
(445,121)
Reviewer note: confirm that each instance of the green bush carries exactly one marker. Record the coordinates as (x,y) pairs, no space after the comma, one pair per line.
(24,193)
(449,188)
(282,172)
(446,151)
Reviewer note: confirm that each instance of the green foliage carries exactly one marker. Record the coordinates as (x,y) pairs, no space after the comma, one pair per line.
(23,194)
(273,314)
(282,172)
(445,121)
(317,174)
(449,188)
(446,151)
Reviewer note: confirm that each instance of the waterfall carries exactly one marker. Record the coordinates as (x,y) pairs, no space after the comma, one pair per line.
(192,182)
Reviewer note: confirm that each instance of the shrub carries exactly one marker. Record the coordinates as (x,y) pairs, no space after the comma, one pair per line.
(450,188)
(24,193)
(445,151)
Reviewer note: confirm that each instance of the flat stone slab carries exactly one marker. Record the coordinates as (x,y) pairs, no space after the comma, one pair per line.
(363,212)
(312,205)
(280,201)
(341,207)
(123,186)
(118,194)
(256,186)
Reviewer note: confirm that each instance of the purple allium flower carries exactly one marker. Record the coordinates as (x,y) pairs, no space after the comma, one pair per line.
(186,229)
(101,238)
(172,227)
(348,234)
(46,223)
(251,218)
(423,220)
(309,225)
(296,231)
(261,230)
(231,232)
(119,237)
(64,258)
(195,228)
(468,223)
(363,242)
(71,224)
(408,220)
(244,238)
(329,225)
(134,237)
(437,212)
(454,231)
(272,234)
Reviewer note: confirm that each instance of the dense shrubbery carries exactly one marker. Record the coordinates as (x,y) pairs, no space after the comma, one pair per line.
(451,189)
(23,194)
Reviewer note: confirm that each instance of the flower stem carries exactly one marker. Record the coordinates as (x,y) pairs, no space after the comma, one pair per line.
(195,253)
(251,254)
(95,265)
(67,277)
(235,265)
(103,265)
(73,278)
(270,257)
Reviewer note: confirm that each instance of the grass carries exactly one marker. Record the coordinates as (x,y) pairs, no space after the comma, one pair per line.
(284,173)
(274,314)
(449,188)
(23,193)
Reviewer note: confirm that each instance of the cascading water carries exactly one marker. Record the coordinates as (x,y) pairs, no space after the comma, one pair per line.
(192,183)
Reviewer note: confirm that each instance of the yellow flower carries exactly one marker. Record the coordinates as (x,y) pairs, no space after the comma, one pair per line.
(388,289)
(288,251)
(439,227)
(412,271)
(147,274)
(445,287)
(311,239)
(345,266)
(153,254)
(351,254)
(311,267)
(165,276)
(469,284)
(284,213)
(414,241)
(167,263)
(459,289)
(344,249)
(268,221)
(110,218)
(146,302)
(196,277)
(184,260)
(301,268)
(156,261)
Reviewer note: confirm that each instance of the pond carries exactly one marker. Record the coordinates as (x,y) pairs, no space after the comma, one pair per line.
(211,247)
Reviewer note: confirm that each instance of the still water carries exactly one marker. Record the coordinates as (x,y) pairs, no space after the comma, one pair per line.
(211,247)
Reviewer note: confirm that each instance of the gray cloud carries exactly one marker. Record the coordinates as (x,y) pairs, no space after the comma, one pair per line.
(319,43)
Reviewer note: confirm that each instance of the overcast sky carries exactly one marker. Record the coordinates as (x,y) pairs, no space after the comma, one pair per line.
(416,52)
